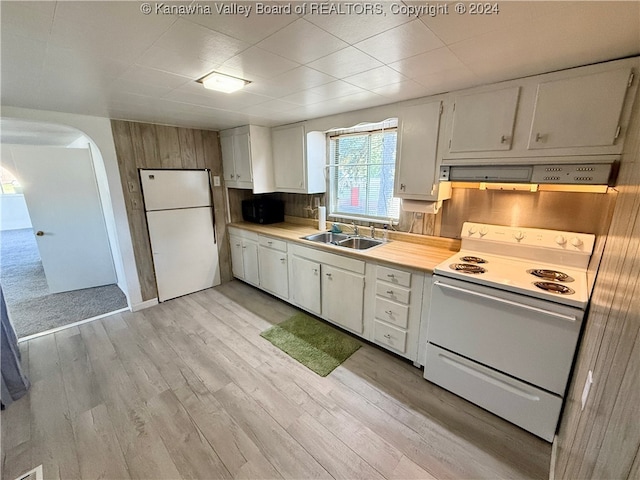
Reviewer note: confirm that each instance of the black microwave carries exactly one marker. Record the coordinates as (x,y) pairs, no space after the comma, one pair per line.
(263,210)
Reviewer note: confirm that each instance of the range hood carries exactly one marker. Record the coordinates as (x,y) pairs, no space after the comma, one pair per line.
(589,170)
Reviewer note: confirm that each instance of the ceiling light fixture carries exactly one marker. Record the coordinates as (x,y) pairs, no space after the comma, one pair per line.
(223,83)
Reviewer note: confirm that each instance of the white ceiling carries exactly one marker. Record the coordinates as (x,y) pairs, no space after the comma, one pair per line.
(106,58)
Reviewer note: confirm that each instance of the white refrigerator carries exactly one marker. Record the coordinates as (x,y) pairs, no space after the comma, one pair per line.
(181,229)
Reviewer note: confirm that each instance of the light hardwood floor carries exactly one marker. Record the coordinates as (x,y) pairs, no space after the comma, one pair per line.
(188,389)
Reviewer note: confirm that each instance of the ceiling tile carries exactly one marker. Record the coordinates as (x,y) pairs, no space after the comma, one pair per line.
(376,78)
(293,81)
(355,28)
(107,29)
(197,41)
(345,62)
(176,63)
(402,90)
(428,63)
(213,99)
(401,42)
(28,18)
(150,76)
(249,29)
(257,62)
(302,42)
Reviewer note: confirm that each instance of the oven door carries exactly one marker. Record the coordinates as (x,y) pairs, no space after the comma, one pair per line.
(527,338)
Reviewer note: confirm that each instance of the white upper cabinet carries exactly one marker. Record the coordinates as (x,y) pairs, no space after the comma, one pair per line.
(484,121)
(580,111)
(299,159)
(246,158)
(583,111)
(416,175)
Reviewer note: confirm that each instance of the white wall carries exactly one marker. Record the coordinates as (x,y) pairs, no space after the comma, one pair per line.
(98,132)
(13,212)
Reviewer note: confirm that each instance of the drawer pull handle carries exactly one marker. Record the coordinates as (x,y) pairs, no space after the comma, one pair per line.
(270,243)
(387,336)
(328,275)
(388,312)
(390,292)
(283,260)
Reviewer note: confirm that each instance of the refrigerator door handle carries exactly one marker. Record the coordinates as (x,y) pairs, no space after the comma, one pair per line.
(213,209)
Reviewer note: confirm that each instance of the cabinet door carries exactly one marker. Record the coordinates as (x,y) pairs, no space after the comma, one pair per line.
(274,276)
(484,121)
(305,289)
(342,298)
(237,265)
(228,168)
(579,112)
(416,166)
(289,158)
(242,157)
(250,260)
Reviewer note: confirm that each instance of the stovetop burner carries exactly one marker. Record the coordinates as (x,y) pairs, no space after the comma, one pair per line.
(550,275)
(467,268)
(471,259)
(555,288)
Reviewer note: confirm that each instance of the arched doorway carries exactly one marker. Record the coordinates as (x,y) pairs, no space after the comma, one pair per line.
(36,304)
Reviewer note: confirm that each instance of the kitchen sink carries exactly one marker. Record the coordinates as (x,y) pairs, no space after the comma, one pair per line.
(344,240)
(359,243)
(327,237)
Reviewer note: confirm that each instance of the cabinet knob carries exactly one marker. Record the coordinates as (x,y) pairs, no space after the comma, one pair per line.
(390,292)
(391,275)
(503,139)
(232,175)
(39,233)
(387,336)
(283,260)
(238,245)
(403,186)
(237,175)
(270,243)
(244,246)
(315,271)
(328,275)
(388,312)
(540,137)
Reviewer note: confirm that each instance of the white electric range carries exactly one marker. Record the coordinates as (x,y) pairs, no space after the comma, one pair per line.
(505,317)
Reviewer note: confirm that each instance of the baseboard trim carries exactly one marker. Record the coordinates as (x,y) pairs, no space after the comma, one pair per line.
(554,453)
(70,325)
(143,305)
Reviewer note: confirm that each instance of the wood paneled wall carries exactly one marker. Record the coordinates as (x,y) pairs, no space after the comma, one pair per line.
(143,145)
(603,441)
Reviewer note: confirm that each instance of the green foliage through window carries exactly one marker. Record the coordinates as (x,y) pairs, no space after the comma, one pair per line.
(362,174)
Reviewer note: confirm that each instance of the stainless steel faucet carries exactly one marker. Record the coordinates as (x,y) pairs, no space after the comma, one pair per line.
(373,231)
(356,229)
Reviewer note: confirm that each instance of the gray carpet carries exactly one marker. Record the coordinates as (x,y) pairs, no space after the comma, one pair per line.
(32,308)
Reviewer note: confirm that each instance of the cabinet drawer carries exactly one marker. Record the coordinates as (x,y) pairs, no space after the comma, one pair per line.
(241,233)
(393,292)
(391,312)
(272,243)
(390,336)
(528,407)
(391,275)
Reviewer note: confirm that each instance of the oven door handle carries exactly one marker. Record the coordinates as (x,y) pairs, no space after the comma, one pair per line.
(569,318)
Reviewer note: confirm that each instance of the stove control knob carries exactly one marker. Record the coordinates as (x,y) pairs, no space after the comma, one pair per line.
(576,242)
(483,231)
(519,235)
(472,230)
(560,240)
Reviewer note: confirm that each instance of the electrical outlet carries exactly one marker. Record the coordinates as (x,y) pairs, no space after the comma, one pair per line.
(132,186)
(587,387)
(135,203)
(216,180)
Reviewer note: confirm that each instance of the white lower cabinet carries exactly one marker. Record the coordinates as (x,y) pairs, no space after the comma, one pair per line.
(244,255)
(305,287)
(393,307)
(342,297)
(273,265)
(328,285)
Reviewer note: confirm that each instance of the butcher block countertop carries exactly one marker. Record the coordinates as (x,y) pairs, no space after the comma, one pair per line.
(419,252)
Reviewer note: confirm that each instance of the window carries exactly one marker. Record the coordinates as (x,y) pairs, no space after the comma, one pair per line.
(361,173)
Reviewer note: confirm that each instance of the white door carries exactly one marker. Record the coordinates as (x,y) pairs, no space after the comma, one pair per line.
(185,255)
(237,263)
(62,198)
